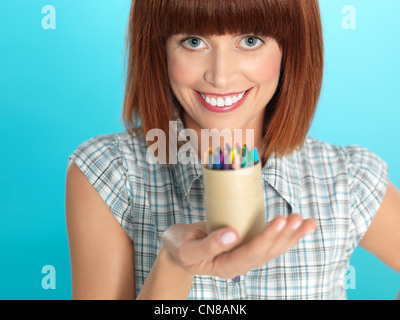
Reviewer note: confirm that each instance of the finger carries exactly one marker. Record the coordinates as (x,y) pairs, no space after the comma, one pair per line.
(249,255)
(217,242)
(276,238)
(294,222)
(308,226)
(197,247)
(201,226)
(295,229)
(177,238)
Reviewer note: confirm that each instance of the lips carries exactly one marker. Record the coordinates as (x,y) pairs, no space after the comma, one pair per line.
(222,103)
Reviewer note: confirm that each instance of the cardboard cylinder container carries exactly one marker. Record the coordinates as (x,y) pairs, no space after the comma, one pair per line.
(235,198)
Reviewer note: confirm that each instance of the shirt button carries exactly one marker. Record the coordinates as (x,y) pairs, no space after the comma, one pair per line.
(236,279)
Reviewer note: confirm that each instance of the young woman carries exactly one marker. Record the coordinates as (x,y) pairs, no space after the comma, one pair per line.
(136,228)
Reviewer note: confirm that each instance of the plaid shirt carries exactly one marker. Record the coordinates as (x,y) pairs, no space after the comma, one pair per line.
(341,187)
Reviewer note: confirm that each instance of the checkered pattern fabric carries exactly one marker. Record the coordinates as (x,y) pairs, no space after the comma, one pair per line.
(341,187)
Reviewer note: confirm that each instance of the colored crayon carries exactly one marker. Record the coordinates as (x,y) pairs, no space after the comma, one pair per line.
(245,158)
(205,159)
(217,164)
(237,162)
(232,155)
(244,150)
(238,148)
(210,159)
(255,156)
(225,161)
(250,156)
(231,158)
(226,166)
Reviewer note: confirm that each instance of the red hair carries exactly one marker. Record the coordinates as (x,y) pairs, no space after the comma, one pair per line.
(296,25)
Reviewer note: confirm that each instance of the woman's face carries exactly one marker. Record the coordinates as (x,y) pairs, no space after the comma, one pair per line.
(223,82)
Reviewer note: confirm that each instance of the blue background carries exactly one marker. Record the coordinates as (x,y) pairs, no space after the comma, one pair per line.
(61,87)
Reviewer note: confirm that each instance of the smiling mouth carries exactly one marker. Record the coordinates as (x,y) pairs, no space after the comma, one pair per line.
(222,101)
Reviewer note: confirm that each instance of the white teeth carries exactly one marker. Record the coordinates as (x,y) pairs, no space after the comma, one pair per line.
(220,102)
(228,101)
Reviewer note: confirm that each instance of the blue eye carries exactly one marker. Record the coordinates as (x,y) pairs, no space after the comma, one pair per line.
(251,42)
(193,43)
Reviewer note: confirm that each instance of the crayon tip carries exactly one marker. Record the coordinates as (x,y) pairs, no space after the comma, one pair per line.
(232,155)
(255,155)
(236,162)
(244,150)
(205,159)
(250,156)
(238,148)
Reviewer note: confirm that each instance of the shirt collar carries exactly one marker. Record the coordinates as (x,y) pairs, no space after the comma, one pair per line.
(186,174)
(282,174)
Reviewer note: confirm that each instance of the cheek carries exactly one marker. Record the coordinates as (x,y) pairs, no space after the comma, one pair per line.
(180,72)
(183,77)
(266,71)
(175,70)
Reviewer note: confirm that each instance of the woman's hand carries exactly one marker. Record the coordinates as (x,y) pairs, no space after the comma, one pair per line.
(198,253)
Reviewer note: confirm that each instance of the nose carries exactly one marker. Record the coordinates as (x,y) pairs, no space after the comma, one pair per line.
(221,69)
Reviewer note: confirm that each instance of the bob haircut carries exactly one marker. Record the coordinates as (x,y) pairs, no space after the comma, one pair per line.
(296,25)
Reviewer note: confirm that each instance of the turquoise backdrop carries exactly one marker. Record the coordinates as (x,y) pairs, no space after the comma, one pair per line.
(63,84)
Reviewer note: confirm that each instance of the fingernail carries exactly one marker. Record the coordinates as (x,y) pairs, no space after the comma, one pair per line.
(296,225)
(281,225)
(228,238)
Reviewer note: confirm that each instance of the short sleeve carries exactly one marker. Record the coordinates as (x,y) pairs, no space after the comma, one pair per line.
(369,179)
(101,161)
